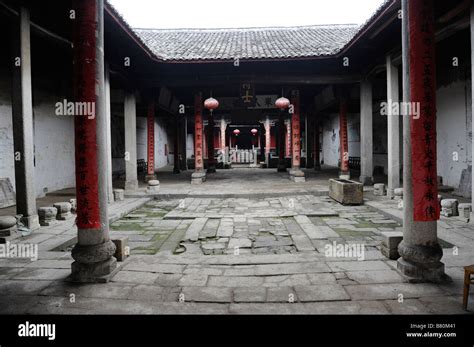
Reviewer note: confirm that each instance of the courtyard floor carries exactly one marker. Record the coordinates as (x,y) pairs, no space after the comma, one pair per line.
(245,241)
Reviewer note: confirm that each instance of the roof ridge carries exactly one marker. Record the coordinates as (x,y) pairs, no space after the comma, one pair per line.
(348,25)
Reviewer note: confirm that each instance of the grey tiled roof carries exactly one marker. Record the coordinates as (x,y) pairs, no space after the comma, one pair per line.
(247,43)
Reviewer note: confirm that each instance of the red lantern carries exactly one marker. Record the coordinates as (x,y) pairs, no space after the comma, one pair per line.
(282,103)
(254,131)
(211,104)
(236,132)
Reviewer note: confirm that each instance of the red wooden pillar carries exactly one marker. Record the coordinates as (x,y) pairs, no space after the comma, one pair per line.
(420,251)
(93,253)
(281,142)
(343,139)
(423,126)
(295,130)
(267,126)
(288,138)
(198,138)
(151,141)
(87,183)
(317,159)
(211,162)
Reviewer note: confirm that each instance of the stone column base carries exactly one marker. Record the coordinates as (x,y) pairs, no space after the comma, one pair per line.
(344,175)
(150,177)
(297,175)
(31,222)
(421,263)
(390,193)
(153,187)
(8,229)
(101,272)
(366,180)
(93,263)
(198,177)
(417,272)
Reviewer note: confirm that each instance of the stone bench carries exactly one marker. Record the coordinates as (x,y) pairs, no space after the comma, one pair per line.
(346,192)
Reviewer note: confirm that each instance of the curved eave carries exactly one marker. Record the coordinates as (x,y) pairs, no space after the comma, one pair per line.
(368,26)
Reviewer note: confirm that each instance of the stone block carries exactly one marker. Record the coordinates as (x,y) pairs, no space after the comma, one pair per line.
(64,210)
(198,177)
(390,242)
(8,229)
(465,210)
(153,186)
(122,250)
(73,203)
(379,189)
(47,216)
(400,204)
(7,194)
(297,176)
(119,194)
(346,192)
(398,193)
(449,207)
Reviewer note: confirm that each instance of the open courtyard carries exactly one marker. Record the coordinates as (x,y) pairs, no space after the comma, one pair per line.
(238,244)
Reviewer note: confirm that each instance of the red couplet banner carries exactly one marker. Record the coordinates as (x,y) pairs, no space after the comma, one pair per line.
(295,128)
(87,182)
(198,140)
(423,126)
(151,137)
(343,138)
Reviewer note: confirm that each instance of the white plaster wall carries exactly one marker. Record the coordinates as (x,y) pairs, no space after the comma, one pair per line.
(190,145)
(7,164)
(54,146)
(161,139)
(453,130)
(331,138)
(53,141)
(141,138)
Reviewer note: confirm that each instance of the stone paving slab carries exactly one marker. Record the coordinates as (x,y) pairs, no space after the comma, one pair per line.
(290,273)
(392,291)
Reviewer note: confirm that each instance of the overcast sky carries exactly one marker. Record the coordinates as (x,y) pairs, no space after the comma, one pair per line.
(243,13)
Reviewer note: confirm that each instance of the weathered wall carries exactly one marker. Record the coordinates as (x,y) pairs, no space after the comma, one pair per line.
(53,138)
(6,129)
(54,145)
(331,138)
(454,130)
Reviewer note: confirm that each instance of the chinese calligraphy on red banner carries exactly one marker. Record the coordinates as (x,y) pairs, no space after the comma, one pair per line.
(423,128)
